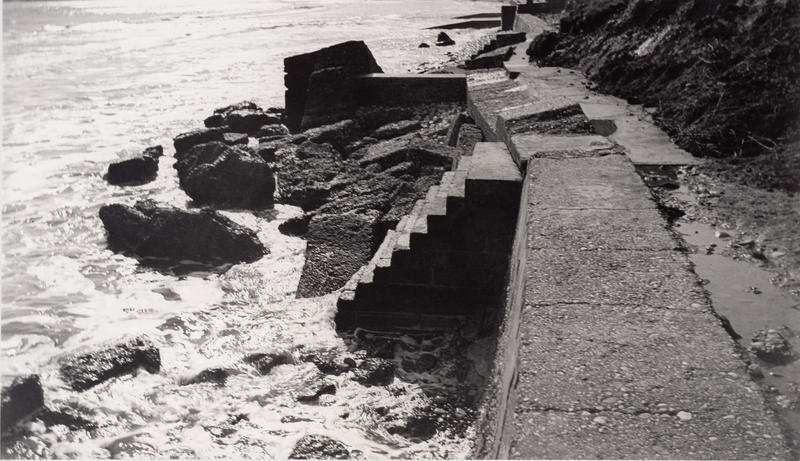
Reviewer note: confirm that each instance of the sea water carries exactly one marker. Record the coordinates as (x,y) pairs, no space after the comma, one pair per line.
(87,83)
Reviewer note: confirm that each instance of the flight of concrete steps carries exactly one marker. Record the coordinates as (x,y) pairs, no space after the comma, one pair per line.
(444,264)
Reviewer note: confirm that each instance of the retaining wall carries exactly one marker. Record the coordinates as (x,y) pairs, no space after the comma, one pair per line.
(409,89)
(496,408)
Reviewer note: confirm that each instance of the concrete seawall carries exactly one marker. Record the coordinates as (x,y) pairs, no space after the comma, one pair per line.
(605,342)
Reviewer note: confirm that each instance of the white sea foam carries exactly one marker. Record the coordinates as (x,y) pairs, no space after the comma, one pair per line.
(89,82)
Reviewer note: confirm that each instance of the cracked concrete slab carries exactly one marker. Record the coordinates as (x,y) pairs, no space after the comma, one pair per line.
(598,229)
(629,359)
(608,182)
(650,278)
(531,145)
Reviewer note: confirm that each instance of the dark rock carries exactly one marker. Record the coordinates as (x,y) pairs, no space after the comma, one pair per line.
(409,148)
(249,120)
(137,170)
(85,371)
(401,206)
(490,59)
(19,399)
(361,190)
(304,179)
(327,96)
(153,151)
(424,45)
(267,150)
(233,139)
(315,446)
(276,111)
(468,136)
(214,121)
(455,127)
(212,375)
(64,416)
(327,363)
(543,45)
(771,346)
(320,390)
(242,105)
(388,153)
(421,426)
(426,362)
(424,152)
(396,129)
(185,141)
(338,135)
(375,372)
(402,169)
(214,173)
(357,145)
(377,346)
(338,245)
(148,230)
(272,130)
(264,362)
(444,40)
(296,226)
(372,117)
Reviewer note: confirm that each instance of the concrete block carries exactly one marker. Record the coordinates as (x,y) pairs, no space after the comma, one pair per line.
(608,182)
(493,162)
(533,145)
(508,15)
(409,89)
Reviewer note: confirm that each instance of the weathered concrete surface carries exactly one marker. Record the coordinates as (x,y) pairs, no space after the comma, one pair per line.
(627,125)
(621,356)
(531,145)
(445,264)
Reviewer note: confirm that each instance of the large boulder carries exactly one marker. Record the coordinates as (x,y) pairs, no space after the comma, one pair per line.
(338,135)
(272,131)
(214,173)
(396,129)
(21,398)
(137,170)
(150,231)
(409,148)
(315,446)
(249,120)
(338,245)
(185,141)
(84,371)
(320,100)
(305,178)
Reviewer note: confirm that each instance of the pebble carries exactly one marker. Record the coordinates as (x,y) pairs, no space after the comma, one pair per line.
(777,254)
(755,371)
(684,415)
(600,420)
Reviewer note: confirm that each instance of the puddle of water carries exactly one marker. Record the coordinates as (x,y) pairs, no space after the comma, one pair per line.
(744,293)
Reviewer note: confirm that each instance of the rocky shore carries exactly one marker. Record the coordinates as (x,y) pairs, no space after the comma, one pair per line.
(355,171)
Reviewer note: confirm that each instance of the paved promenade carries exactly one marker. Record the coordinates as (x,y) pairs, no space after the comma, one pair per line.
(618,352)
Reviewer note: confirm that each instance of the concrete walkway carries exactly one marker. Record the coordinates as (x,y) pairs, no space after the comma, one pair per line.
(609,347)
(620,353)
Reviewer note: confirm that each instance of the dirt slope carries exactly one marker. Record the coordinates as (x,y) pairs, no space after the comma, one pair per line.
(722,76)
